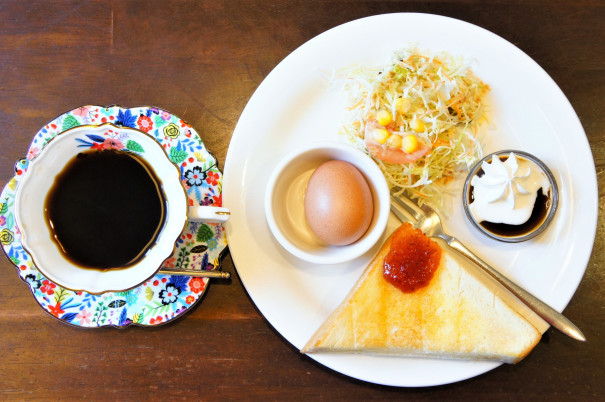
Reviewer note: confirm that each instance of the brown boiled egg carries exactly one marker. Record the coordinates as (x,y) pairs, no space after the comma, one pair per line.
(338,203)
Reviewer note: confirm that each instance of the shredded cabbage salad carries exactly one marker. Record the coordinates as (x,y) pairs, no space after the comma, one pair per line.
(437,100)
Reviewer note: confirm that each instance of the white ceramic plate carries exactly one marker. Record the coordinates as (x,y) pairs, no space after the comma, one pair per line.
(295,105)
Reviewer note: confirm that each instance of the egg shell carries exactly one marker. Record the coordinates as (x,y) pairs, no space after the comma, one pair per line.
(338,203)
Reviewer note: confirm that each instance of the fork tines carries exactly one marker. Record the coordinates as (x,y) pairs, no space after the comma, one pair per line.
(409,206)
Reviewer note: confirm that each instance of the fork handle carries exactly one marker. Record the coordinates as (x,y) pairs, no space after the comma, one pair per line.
(546,312)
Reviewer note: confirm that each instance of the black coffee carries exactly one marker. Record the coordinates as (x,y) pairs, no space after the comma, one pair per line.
(105,209)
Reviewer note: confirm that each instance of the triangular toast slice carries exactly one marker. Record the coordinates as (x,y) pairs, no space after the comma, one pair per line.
(455,317)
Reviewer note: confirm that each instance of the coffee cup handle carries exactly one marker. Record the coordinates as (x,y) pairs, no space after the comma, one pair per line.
(206,213)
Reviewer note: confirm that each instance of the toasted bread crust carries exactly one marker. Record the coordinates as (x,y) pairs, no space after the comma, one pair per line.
(454,317)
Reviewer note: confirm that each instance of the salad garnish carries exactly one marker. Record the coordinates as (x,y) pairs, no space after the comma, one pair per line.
(418,118)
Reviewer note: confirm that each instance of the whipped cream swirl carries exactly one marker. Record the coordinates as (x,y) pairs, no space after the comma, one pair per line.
(507,191)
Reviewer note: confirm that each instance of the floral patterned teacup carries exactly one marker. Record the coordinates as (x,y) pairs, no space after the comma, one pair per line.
(36,234)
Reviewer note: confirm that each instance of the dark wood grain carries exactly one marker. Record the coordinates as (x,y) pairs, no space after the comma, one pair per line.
(203,60)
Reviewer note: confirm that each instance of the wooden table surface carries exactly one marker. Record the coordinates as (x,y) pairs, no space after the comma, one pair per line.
(202,60)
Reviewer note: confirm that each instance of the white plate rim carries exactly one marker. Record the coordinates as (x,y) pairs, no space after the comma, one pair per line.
(234,192)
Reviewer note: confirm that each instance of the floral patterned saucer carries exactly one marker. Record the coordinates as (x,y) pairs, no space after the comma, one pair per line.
(200,246)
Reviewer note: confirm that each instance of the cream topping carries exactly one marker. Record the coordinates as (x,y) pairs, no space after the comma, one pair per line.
(507,191)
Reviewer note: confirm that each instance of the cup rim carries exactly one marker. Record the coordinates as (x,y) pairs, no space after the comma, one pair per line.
(370,170)
(551,211)
(33,253)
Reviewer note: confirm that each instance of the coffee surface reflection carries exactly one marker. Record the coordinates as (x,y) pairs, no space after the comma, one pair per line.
(105,209)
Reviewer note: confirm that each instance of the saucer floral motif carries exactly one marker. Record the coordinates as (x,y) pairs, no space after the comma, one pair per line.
(200,246)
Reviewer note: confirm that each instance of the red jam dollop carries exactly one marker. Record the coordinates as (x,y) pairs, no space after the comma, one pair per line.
(412,259)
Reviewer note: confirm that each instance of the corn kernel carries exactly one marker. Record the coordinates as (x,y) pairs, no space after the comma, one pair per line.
(403,105)
(380,135)
(409,144)
(394,141)
(417,125)
(384,118)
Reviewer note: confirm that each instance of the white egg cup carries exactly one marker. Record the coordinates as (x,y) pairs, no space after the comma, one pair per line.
(284,203)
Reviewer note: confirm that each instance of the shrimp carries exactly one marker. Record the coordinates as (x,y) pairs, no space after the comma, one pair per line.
(390,154)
